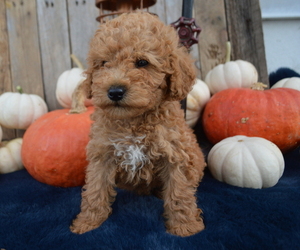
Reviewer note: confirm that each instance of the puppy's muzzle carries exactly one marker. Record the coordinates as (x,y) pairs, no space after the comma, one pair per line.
(116,93)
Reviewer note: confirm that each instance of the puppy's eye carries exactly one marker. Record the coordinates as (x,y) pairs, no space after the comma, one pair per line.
(97,64)
(141,63)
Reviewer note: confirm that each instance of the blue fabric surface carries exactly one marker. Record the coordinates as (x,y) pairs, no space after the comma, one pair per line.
(37,216)
(280,74)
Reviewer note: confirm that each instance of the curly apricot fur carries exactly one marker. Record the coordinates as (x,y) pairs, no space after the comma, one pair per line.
(147,123)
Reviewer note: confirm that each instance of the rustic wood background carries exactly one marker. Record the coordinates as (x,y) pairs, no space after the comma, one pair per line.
(38,36)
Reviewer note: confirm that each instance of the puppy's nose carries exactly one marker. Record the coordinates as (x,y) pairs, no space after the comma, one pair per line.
(116,93)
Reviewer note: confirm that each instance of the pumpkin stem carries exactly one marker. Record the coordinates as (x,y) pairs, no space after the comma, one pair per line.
(76,61)
(259,86)
(228,51)
(19,89)
(78,98)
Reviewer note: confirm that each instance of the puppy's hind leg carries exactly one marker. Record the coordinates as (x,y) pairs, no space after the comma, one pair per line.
(97,196)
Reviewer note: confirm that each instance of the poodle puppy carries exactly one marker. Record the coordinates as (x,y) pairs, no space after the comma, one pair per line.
(136,75)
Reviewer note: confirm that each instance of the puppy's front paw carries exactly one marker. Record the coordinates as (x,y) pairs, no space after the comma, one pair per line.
(82,225)
(186,229)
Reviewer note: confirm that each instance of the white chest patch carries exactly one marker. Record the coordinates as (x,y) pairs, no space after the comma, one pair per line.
(130,151)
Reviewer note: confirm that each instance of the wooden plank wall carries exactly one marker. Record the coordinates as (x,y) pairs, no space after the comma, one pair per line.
(38,36)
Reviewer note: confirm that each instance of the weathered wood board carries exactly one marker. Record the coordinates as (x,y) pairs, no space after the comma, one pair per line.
(245,33)
(210,16)
(5,73)
(25,58)
(54,45)
(82,26)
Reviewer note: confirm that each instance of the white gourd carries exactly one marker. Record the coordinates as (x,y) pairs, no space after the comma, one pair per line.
(292,82)
(196,100)
(10,156)
(19,110)
(251,162)
(66,84)
(232,74)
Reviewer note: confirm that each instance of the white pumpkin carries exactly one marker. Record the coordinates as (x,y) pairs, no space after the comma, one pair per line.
(19,110)
(10,156)
(196,100)
(251,162)
(292,82)
(232,74)
(67,83)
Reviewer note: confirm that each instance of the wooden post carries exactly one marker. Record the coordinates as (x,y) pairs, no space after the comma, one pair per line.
(82,26)
(55,45)
(210,16)
(245,33)
(25,58)
(5,74)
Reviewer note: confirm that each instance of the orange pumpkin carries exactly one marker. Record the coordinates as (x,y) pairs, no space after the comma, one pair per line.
(271,114)
(53,149)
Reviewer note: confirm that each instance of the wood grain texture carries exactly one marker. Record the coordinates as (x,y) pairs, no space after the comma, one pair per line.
(159,9)
(83,24)
(173,10)
(246,35)
(194,50)
(5,75)
(26,68)
(54,44)
(210,16)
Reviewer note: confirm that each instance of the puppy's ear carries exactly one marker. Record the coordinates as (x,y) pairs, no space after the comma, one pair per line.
(87,84)
(81,92)
(182,75)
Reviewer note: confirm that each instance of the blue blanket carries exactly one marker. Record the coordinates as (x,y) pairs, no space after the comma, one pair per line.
(37,216)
